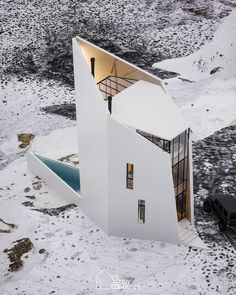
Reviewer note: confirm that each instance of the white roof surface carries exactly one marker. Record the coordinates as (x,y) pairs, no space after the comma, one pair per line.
(148,107)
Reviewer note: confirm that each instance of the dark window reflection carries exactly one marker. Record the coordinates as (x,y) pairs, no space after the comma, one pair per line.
(141,211)
(179,153)
(162,143)
(129,176)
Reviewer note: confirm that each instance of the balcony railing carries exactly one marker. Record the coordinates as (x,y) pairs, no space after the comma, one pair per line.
(112,85)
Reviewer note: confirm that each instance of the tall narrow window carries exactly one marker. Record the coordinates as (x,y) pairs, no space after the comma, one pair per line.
(141,211)
(129,176)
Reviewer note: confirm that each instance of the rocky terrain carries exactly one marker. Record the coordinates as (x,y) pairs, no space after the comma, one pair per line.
(15,253)
(37,83)
(36,36)
(214,166)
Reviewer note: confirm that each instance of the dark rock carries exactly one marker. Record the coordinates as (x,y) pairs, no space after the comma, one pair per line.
(28,204)
(65,110)
(27,189)
(25,139)
(186,80)
(10,225)
(31,197)
(15,265)
(15,253)
(41,251)
(217,69)
(37,185)
(55,211)
(199,10)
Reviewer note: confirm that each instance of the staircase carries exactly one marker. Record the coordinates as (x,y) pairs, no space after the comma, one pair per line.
(188,235)
(112,85)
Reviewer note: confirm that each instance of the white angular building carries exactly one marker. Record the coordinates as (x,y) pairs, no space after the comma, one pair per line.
(134,149)
(134,177)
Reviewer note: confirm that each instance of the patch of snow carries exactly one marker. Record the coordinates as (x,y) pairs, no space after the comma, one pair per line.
(21,108)
(78,250)
(60,143)
(207,100)
(20,112)
(207,105)
(219,53)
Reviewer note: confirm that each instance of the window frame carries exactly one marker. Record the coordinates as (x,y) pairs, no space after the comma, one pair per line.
(141,211)
(129,176)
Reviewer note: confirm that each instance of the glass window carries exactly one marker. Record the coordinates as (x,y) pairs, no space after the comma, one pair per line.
(141,211)
(186,168)
(181,172)
(185,185)
(129,176)
(164,144)
(186,143)
(175,175)
(175,150)
(182,146)
(181,205)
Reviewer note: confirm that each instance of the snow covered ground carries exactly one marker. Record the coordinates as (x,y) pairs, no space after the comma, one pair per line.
(21,103)
(76,250)
(207,100)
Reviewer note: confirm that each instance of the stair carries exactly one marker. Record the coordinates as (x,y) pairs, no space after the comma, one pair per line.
(188,235)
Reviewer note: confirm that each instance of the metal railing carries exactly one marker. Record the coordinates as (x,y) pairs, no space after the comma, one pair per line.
(112,85)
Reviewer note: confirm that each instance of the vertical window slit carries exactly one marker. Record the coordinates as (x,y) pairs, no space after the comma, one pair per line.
(141,211)
(129,176)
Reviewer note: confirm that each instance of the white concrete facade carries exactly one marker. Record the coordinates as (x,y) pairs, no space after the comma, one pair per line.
(92,142)
(152,183)
(107,144)
(141,130)
(146,106)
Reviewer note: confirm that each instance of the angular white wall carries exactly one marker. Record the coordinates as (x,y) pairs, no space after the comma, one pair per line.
(153,183)
(62,189)
(92,141)
(105,147)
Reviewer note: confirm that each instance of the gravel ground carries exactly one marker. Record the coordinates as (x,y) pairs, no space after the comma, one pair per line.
(36,41)
(36,37)
(214,167)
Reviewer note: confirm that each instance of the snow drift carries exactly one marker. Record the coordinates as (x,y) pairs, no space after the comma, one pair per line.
(217,57)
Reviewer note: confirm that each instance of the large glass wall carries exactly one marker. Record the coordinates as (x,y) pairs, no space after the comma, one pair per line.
(179,149)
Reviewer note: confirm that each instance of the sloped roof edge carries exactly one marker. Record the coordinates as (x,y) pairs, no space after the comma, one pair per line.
(82,41)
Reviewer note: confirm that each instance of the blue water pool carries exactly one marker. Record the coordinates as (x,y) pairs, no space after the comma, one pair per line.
(67,173)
